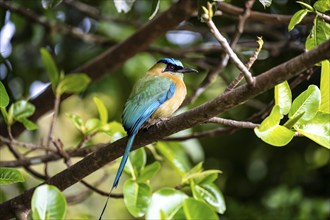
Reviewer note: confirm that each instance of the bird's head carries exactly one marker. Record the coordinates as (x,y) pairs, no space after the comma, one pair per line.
(173,66)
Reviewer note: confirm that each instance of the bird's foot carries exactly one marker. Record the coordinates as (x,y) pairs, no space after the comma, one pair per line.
(151,122)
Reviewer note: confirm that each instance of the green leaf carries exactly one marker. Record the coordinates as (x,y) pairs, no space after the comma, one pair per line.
(53,73)
(307,102)
(137,197)
(29,125)
(77,121)
(194,209)
(210,194)
(4,98)
(175,155)
(319,33)
(103,112)
(73,83)
(113,128)
(283,97)
(316,129)
(297,18)
(292,121)
(322,5)
(149,171)
(325,87)
(5,116)
(92,125)
(48,203)
(266,3)
(271,132)
(124,5)
(307,6)
(10,175)
(22,109)
(155,8)
(165,202)
(207,176)
(47,4)
(138,160)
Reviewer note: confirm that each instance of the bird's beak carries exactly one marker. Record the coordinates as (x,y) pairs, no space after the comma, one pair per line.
(187,70)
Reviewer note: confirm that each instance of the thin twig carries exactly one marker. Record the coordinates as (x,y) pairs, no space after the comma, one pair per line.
(18,156)
(252,59)
(258,16)
(18,143)
(53,122)
(232,55)
(233,123)
(50,157)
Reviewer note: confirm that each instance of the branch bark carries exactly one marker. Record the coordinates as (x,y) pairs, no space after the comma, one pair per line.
(224,102)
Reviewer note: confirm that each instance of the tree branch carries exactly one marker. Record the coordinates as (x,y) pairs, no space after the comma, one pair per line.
(224,102)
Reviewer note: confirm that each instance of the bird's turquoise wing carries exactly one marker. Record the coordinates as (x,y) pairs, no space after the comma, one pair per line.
(148,94)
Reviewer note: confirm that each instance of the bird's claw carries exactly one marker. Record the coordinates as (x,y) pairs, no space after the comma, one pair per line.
(152,122)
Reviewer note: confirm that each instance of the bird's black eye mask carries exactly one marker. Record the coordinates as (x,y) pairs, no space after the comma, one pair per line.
(172,68)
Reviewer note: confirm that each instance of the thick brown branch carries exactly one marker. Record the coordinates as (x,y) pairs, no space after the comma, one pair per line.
(196,116)
(260,16)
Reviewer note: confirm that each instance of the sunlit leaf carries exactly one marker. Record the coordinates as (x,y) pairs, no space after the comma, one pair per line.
(47,4)
(165,202)
(137,197)
(5,115)
(325,86)
(92,125)
(22,109)
(319,33)
(322,5)
(307,102)
(175,156)
(138,159)
(103,112)
(149,171)
(73,83)
(316,129)
(10,175)
(29,125)
(210,194)
(113,128)
(52,71)
(207,176)
(297,18)
(266,3)
(283,97)
(48,203)
(194,209)
(155,8)
(124,5)
(271,132)
(307,6)
(77,121)
(4,98)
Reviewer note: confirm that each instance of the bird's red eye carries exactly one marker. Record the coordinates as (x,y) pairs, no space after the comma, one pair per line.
(170,67)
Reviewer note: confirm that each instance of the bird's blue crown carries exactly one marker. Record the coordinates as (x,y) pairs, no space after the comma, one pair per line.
(170,61)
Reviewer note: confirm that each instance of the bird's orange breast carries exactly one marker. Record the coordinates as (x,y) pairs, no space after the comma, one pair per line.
(173,103)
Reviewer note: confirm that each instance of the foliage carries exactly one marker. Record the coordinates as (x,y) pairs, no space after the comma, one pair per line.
(48,202)
(10,175)
(305,116)
(164,181)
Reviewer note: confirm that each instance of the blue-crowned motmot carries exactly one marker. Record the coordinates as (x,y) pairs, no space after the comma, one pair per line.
(158,94)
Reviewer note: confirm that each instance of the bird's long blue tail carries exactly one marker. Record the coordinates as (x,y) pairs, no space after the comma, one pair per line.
(120,169)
